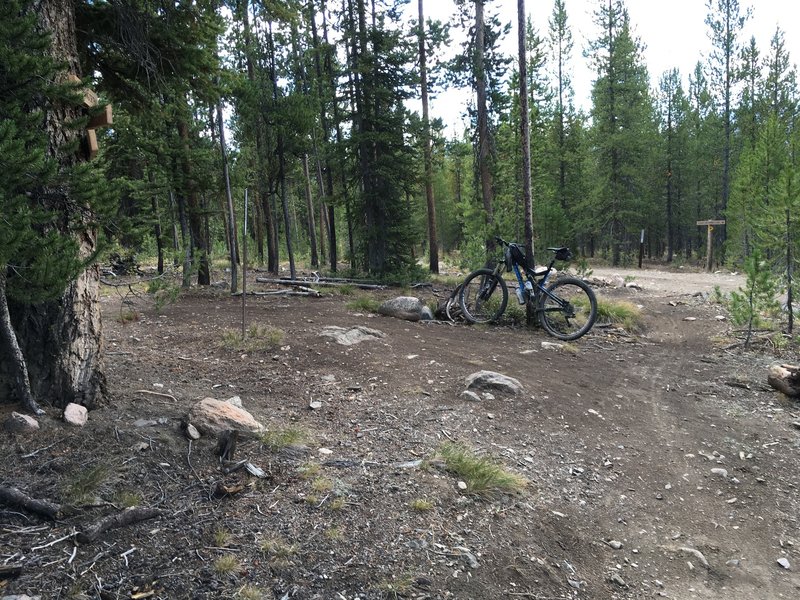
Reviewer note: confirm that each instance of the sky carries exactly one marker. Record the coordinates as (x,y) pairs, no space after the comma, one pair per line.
(673,33)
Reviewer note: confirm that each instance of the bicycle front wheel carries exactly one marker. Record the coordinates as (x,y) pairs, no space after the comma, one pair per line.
(483,297)
(568,309)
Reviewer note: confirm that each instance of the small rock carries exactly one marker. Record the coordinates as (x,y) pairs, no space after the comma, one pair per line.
(469,395)
(468,556)
(734,562)
(235,401)
(697,554)
(690,319)
(659,583)
(552,346)
(351,336)
(315,405)
(145,423)
(574,584)
(485,380)
(21,597)
(462,485)
(615,578)
(488,396)
(19,423)
(783,562)
(191,432)
(325,451)
(141,446)
(75,414)
(212,417)
(796,424)
(616,545)
(720,472)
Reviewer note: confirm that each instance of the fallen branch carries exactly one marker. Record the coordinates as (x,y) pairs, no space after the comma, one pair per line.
(159,394)
(10,571)
(11,495)
(129,516)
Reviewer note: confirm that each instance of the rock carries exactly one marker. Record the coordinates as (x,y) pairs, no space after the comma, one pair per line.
(471,396)
(486,380)
(212,417)
(75,414)
(552,346)
(462,485)
(19,423)
(615,578)
(21,597)
(406,307)
(351,336)
(783,562)
(697,554)
(191,432)
(468,556)
(690,319)
(616,545)
(720,472)
(235,400)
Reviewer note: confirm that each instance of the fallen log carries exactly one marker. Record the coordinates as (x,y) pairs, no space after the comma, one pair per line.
(303,284)
(45,508)
(129,516)
(785,378)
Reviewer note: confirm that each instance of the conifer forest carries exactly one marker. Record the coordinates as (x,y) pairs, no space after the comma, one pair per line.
(145,128)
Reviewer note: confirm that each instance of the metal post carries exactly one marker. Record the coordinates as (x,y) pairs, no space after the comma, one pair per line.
(641,248)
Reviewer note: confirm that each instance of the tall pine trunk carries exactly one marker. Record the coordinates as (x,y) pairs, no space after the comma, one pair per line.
(61,340)
(483,124)
(525,132)
(433,244)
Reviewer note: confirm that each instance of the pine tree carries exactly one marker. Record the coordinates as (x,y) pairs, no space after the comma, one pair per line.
(50,202)
(623,131)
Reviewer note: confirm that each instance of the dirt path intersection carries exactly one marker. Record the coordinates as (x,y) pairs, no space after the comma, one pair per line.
(658,464)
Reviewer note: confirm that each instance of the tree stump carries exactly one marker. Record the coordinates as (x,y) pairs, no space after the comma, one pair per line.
(785,378)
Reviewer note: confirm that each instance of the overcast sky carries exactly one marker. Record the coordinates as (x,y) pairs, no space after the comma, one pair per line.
(673,33)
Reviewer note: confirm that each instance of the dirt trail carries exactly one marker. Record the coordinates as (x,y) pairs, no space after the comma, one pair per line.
(658,464)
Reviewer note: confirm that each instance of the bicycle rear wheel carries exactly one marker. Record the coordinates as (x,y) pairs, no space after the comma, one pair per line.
(483,297)
(568,309)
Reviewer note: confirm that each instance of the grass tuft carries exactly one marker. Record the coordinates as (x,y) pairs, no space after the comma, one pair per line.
(278,551)
(221,537)
(283,438)
(620,313)
(482,475)
(421,505)
(364,304)
(227,564)
(250,592)
(86,484)
(258,338)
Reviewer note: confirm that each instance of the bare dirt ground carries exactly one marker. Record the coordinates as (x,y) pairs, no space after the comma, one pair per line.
(616,438)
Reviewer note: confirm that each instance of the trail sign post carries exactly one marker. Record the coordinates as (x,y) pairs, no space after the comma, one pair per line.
(709,238)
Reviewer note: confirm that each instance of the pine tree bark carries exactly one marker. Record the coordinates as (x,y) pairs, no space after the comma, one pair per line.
(483,123)
(525,131)
(62,340)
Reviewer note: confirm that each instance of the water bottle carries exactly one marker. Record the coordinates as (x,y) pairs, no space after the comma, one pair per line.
(528,288)
(521,295)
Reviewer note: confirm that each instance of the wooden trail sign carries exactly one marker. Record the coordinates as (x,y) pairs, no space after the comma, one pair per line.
(710,238)
(101,119)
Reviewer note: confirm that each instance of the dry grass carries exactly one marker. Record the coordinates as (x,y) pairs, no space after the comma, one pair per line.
(482,475)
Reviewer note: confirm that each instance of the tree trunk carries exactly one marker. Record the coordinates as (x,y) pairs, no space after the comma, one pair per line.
(312,227)
(10,348)
(525,132)
(62,340)
(433,244)
(198,237)
(234,254)
(483,124)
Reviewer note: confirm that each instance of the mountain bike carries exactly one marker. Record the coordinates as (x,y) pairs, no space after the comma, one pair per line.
(566,308)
